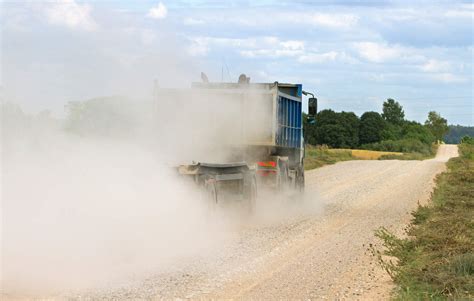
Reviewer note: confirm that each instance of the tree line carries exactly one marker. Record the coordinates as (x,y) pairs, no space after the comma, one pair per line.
(386,131)
(457,132)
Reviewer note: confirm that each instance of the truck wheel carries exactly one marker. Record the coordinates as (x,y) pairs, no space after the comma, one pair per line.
(300,183)
(283,178)
(211,194)
(300,180)
(252,196)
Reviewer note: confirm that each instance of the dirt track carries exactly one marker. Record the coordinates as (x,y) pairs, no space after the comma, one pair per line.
(316,255)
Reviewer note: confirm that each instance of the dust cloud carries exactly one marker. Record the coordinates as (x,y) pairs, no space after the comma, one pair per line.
(92,201)
(92,196)
(81,211)
(95,200)
(90,192)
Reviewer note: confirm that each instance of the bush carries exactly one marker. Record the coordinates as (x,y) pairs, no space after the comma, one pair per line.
(414,130)
(410,145)
(467,140)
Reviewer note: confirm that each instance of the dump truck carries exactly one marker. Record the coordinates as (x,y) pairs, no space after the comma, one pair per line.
(260,128)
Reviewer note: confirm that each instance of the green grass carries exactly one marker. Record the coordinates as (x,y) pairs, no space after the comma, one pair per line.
(436,260)
(407,156)
(413,155)
(317,156)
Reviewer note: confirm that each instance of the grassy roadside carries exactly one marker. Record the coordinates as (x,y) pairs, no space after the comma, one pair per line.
(436,260)
(317,156)
(412,156)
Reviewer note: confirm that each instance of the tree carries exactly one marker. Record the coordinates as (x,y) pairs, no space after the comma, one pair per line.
(393,112)
(326,117)
(337,129)
(371,127)
(456,132)
(350,122)
(332,135)
(437,125)
(415,130)
(327,129)
(309,131)
(392,131)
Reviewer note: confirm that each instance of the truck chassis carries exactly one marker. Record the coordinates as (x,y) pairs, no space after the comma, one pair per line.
(228,181)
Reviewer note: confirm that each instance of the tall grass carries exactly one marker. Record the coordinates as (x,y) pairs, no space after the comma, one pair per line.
(317,156)
(373,155)
(436,260)
(412,149)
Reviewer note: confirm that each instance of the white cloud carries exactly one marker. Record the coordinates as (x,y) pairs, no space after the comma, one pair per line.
(70,14)
(330,56)
(270,40)
(263,76)
(435,66)
(293,45)
(400,15)
(198,47)
(383,52)
(250,47)
(459,14)
(158,12)
(192,21)
(378,53)
(448,78)
(274,53)
(331,20)
(147,36)
(318,57)
(273,47)
(335,21)
(461,11)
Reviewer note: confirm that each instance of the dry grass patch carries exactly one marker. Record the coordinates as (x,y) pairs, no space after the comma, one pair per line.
(363,154)
(371,155)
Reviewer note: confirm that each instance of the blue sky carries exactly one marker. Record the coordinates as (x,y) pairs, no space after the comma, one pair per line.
(353,54)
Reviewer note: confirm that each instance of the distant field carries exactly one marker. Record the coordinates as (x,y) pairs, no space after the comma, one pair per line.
(371,155)
(317,156)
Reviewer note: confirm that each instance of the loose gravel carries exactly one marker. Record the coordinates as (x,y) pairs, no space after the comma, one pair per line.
(317,248)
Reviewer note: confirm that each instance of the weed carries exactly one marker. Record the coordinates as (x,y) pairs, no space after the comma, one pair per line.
(317,156)
(436,260)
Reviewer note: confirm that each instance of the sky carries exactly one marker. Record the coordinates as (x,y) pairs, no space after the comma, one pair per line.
(352,54)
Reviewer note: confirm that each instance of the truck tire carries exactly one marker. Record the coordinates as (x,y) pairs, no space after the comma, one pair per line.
(252,196)
(210,191)
(283,176)
(300,180)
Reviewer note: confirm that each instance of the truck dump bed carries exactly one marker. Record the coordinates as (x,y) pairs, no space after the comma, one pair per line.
(264,113)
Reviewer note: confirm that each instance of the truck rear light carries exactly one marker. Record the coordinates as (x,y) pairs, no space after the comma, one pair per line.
(271,164)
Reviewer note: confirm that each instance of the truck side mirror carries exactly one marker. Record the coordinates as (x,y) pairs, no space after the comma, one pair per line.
(312,106)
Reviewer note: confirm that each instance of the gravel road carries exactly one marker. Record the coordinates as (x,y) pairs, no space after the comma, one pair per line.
(317,253)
